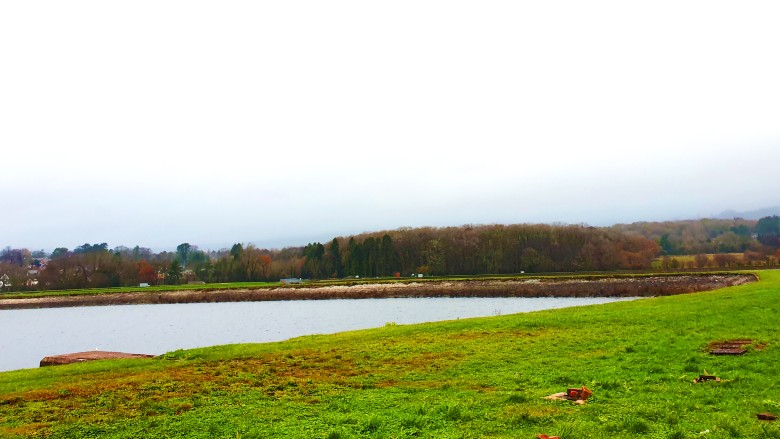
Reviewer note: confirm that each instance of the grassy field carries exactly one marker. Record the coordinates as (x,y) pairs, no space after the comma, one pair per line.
(470,378)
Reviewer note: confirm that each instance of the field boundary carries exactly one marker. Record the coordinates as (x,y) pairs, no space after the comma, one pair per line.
(563,286)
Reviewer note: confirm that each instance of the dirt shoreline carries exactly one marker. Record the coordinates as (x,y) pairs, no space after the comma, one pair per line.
(639,286)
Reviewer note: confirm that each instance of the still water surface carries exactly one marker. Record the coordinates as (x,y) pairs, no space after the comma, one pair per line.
(28,335)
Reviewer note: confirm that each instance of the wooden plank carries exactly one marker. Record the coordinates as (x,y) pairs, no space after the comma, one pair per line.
(728,351)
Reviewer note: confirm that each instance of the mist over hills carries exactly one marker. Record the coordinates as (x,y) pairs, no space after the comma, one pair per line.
(295,240)
(750,214)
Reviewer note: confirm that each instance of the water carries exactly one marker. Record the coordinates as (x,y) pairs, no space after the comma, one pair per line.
(26,336)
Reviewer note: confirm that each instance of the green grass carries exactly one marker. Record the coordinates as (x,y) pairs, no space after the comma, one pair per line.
(469,378)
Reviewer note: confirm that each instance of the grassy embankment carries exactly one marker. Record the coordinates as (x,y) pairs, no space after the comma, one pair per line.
(331,282)
(470,378)
(149,289)
(736,261)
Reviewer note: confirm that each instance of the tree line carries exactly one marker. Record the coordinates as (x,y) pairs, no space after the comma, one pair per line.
(468,250)
(709,236)
(464,250)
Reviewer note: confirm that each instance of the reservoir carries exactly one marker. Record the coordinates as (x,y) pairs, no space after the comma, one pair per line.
(28,335)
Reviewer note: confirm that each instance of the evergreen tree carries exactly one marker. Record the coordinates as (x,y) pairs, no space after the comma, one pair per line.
(313,266)
(355,258)
(388,258)
(174,272)
(768,230)
(334,255)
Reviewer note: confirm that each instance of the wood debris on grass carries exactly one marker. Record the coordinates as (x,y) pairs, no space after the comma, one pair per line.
(706,376)
(703,378)
(729,347)
(573,394)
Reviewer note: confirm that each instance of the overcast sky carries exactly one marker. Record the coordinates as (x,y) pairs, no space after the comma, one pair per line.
(279,123)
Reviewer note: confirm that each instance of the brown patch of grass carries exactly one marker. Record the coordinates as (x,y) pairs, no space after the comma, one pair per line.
(424,361)
(470,335)
(169,390)
(184,407)
(11,400)
(584,355)
(536,411)
(31,429)
(300,374)
(482,388)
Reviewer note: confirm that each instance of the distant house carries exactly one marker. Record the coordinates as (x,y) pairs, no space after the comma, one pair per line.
(5,281)
(291,280)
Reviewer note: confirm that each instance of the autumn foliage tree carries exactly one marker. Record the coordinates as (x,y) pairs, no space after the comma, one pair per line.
(265,263)
(146,273)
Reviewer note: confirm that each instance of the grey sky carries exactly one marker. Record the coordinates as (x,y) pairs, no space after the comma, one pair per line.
(278,123)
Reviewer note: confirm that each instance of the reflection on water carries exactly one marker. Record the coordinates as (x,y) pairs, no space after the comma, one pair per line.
(26,336)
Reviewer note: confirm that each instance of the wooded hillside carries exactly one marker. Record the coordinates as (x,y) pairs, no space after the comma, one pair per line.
(464,250)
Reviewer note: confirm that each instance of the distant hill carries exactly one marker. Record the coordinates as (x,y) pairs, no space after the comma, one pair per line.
(751,214)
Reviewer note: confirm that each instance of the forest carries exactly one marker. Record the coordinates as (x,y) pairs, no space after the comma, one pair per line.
(464,250)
